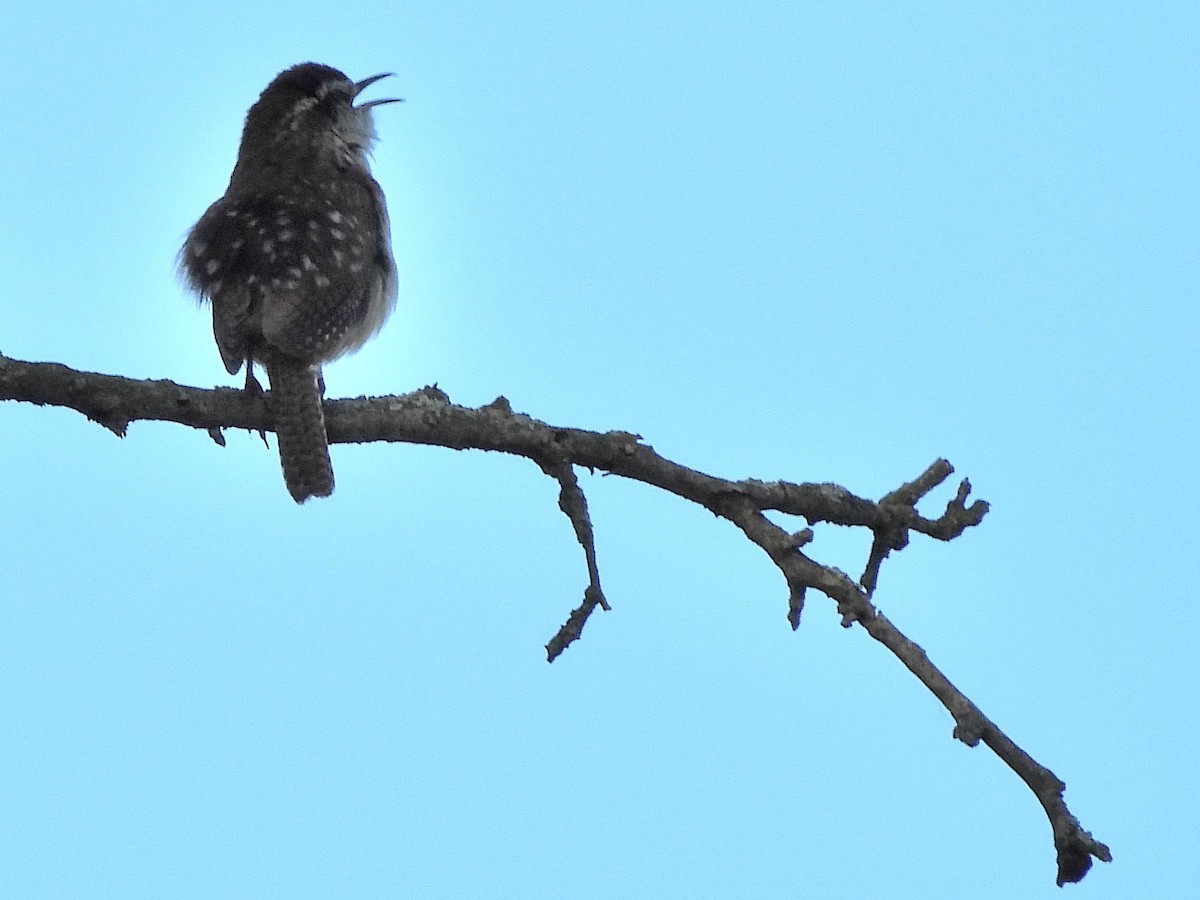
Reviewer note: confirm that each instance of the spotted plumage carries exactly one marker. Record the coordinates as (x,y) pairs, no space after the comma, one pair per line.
(296,257)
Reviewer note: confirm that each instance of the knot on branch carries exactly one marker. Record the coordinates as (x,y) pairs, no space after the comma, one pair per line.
(969,727)
(572,629)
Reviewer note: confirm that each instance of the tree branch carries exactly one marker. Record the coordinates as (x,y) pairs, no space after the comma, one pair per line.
(428,417)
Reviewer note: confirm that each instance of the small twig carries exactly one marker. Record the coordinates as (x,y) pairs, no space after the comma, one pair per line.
(573,503)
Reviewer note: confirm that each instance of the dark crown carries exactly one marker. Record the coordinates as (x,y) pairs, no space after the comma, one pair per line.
(304,110)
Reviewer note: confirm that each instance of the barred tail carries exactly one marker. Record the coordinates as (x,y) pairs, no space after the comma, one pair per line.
(300,428)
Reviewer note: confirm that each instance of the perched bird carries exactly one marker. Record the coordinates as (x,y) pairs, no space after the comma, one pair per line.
(296,257)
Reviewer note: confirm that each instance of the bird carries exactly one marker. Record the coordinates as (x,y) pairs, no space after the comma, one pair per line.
(295,258)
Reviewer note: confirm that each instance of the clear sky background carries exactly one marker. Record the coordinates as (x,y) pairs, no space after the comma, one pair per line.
(812,241)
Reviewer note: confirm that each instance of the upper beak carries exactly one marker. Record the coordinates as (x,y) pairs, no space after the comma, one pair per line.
(360,86)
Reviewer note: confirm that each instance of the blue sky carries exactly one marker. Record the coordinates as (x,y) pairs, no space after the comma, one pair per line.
(820,242)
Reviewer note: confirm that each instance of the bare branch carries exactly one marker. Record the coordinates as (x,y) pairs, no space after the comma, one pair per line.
(428,417)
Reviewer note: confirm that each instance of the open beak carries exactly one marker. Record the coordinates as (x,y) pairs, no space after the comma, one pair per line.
(360,86)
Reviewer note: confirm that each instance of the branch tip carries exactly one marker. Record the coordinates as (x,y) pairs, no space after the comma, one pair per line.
(795,605)
(572,629)
(1076,848)
(799,538)
(964,491)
